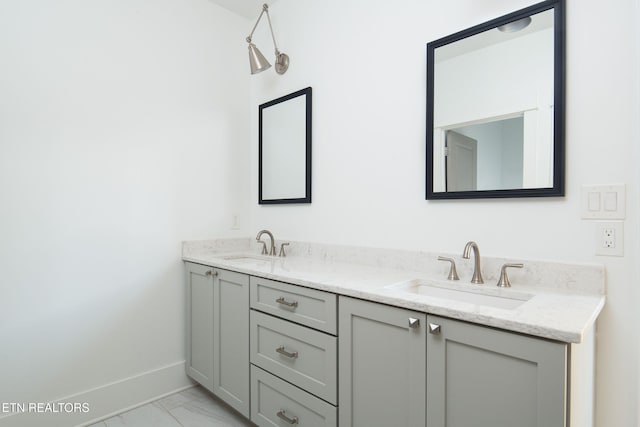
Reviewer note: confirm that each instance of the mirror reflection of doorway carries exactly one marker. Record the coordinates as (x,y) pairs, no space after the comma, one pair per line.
(462,162)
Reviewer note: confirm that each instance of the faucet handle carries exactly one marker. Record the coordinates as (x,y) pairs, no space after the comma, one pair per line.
(264,247)
(282,252)
(453,273)
(504,279)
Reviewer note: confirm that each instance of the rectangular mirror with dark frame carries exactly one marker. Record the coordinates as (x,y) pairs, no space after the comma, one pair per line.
(284,149)
(495,107)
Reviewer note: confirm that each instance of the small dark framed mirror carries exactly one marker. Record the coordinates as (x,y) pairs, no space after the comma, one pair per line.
(284,149)
(495,107)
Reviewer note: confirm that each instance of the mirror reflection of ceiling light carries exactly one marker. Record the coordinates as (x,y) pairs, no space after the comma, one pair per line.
(515,26)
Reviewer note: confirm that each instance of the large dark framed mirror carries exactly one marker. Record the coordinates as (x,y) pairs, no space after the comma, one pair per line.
(284,149)
(495,107)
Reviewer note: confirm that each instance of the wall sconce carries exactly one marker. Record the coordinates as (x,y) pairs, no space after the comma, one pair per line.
(257,61)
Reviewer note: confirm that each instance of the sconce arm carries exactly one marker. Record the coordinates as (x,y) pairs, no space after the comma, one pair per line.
(265,9)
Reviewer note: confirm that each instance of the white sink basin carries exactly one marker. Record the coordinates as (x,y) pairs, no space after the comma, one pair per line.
(245,258)
(249,260)
(483,295)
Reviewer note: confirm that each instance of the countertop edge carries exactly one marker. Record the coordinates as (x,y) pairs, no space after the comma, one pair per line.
(500,319)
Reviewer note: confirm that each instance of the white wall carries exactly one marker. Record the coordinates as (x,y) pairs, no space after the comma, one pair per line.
(122,133)
(366,64)
(635,87)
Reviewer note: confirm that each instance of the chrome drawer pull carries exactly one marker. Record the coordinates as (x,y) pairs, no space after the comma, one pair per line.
(284,352)
(414,323)
(283,301)
(434,328)
(283,416)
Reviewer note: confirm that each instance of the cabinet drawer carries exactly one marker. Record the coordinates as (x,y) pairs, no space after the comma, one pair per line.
(300,355)
(275,402)
(308,307)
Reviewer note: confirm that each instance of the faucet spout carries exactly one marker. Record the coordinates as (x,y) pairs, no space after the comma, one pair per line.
(272,250)
(477,274)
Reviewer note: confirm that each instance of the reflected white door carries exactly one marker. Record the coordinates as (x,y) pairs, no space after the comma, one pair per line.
(462,162)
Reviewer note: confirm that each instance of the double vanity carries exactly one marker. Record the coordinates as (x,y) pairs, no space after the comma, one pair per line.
(336,335)
(321,335)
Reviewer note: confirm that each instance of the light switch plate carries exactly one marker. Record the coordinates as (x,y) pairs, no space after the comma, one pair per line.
(603,201)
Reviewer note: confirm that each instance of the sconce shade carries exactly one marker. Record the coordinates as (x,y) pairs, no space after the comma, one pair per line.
(257,61)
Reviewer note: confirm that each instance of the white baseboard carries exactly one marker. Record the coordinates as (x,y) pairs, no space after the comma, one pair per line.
(104,401)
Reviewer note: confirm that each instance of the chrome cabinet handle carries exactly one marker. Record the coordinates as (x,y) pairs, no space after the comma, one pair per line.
(283,416)
(434,329)
(283,301)
(414,323)
(284,352)
(211,273)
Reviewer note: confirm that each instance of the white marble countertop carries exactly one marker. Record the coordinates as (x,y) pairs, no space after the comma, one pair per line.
(554,313)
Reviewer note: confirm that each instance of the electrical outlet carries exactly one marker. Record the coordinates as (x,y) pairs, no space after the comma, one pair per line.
(610,238)
(235,222)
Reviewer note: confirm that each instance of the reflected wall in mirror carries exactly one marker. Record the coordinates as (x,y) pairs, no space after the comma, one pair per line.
(284,149)
(495,108)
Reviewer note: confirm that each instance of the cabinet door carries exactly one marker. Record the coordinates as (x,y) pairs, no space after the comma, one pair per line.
(199,361)
(479,376)
(231,339)
(382,364)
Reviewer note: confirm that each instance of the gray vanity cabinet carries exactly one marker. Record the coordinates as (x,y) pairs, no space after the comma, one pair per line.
(479,376)
(199,361)
(231,339)
(218,333)
(381,357)
(319,359)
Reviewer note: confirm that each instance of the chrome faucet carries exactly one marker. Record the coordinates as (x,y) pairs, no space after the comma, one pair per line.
(477,274)
(272,250)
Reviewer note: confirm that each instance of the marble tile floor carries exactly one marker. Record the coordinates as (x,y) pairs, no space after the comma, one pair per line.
(193,407)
